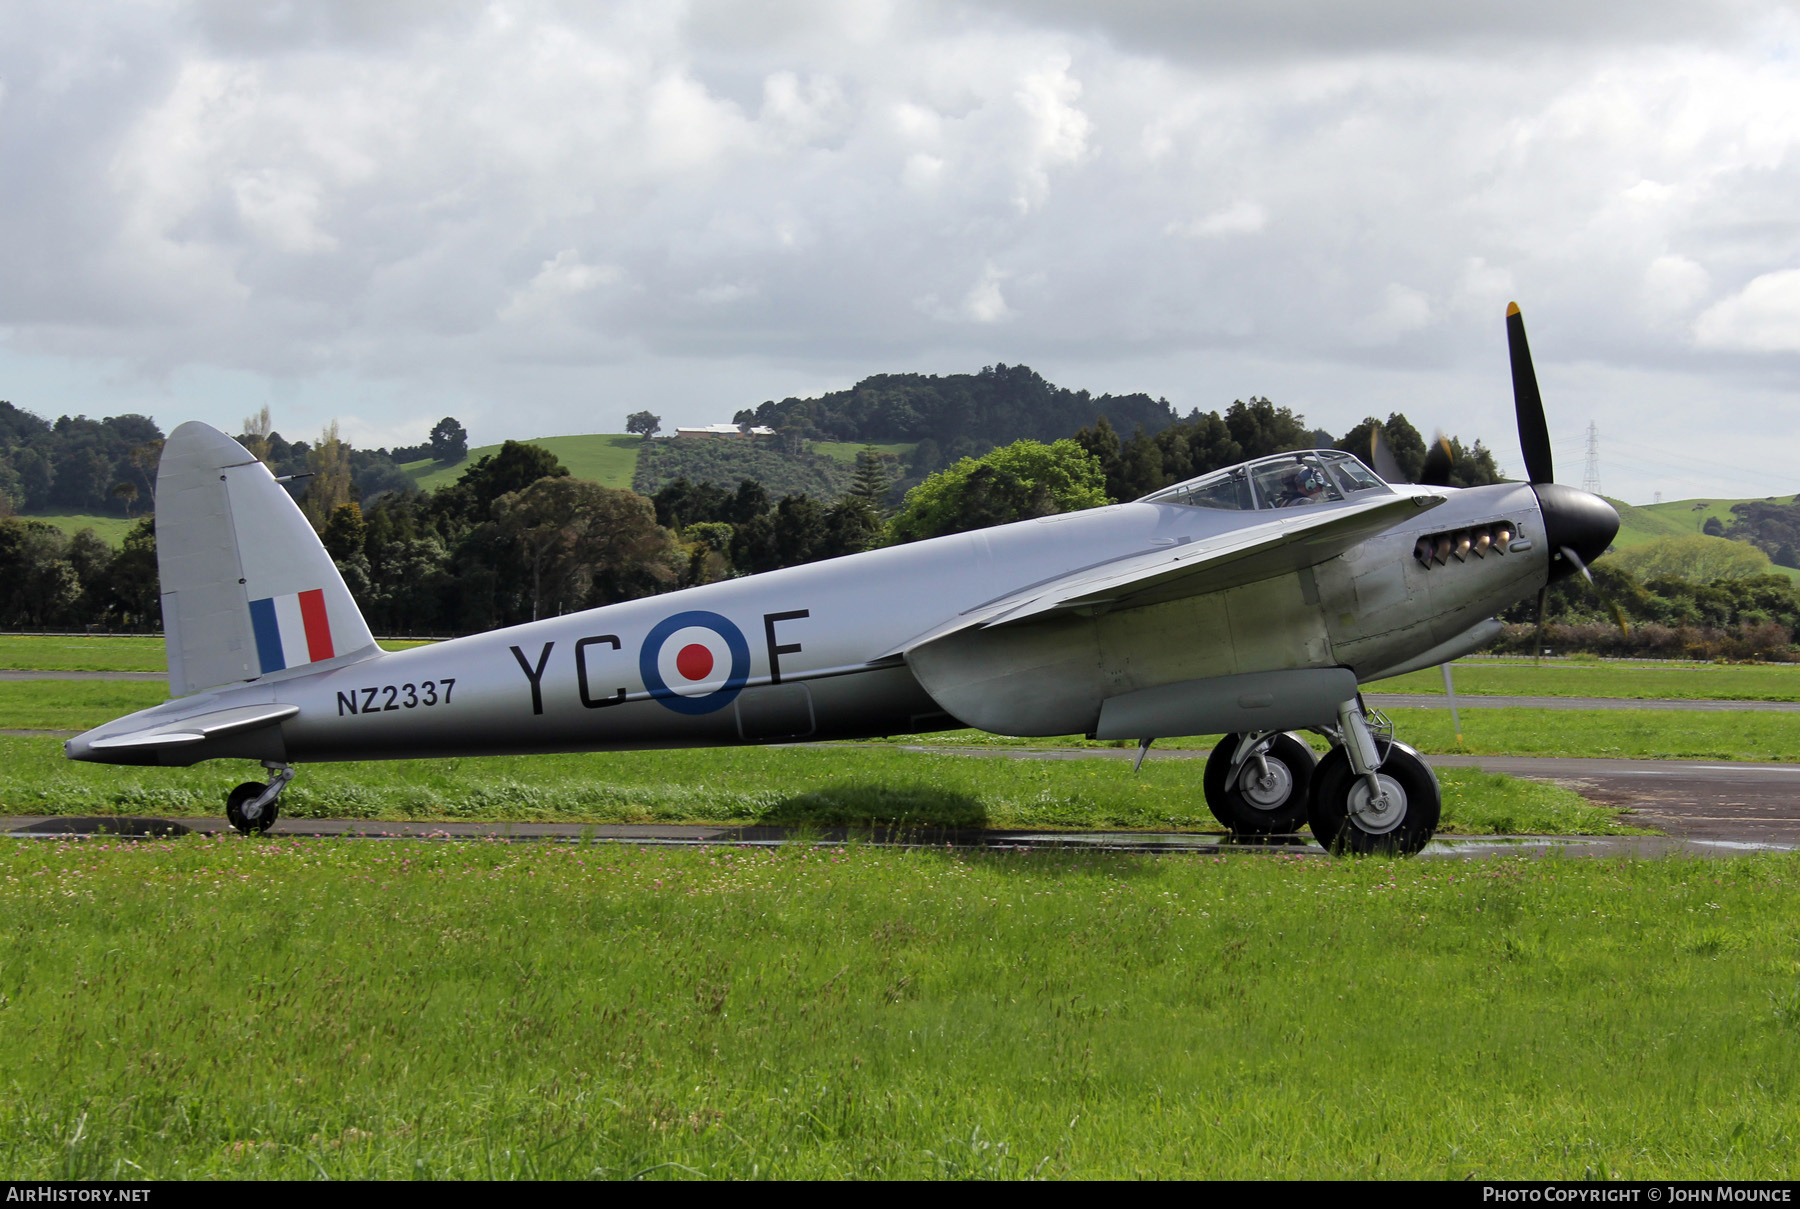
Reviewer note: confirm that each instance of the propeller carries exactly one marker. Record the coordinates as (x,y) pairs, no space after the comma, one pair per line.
(1612,606)
(1528,402)
(1382,458)
(1438,460)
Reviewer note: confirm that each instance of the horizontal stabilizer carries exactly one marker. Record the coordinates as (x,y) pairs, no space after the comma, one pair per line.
(198,729)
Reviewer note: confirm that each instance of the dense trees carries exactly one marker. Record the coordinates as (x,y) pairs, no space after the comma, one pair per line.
(957,415)
(75,464)
(1016,482)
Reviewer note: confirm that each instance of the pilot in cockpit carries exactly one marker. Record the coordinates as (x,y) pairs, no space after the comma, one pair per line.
(1304,485)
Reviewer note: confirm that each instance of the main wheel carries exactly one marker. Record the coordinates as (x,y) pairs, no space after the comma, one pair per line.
(241,797)
(1340,813)
(1252,803)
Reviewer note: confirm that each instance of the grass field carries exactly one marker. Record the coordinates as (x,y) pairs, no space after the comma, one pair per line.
(607,458)
(231,1008)
(123,653)
(111,529)
(1574,678)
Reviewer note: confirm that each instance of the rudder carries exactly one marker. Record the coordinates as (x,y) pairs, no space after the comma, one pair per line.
(247,589)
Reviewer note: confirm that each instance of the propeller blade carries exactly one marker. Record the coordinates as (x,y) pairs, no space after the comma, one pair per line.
(1382,459)
(1450,692)
(1438,460)
(1580,566)
(1534,433)
(1612,606)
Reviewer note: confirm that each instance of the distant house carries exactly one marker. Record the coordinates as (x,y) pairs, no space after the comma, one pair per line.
(729,431)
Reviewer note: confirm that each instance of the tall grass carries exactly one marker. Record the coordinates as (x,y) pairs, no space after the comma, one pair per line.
(234,1008)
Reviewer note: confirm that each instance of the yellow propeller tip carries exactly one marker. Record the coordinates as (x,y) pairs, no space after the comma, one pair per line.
(1512,308)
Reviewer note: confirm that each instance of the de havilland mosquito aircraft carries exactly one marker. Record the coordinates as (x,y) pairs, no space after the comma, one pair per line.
(1249,602)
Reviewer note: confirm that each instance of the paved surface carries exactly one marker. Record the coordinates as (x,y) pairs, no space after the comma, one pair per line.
(1741,802)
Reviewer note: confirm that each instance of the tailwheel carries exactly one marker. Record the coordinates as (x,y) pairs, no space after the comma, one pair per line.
(252,807)
(1259,788)
(1397,816)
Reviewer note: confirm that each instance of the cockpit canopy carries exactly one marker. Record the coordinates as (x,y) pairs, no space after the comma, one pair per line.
(1286,480)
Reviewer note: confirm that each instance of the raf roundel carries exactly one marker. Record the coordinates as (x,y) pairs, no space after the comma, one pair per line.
(695,662)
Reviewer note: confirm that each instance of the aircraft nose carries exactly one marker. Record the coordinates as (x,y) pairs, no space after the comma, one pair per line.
(1580,520)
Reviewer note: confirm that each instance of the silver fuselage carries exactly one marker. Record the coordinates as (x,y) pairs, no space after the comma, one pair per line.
(822,651)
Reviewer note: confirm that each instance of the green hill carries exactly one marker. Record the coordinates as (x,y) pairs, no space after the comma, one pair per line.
(609,459)
(1679,518)
(1675,518)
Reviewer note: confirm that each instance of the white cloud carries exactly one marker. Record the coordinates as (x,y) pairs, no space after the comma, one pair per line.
(1673,287)
(1763,317)
(1239,218)
(1403,310)
(428,200)
(1056,131)
(561,277)
(984,302)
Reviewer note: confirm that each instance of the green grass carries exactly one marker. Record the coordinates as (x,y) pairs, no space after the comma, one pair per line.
(609,459)
(73,704)
(1612,734)
(1648,679)
(846,451)
(111,529)
(230,1009)
(123,653)
(823,786)
(41,652)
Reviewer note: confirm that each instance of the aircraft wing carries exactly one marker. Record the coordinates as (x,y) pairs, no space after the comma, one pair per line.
(1284,544)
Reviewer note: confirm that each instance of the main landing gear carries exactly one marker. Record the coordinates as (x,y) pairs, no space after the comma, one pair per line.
(252,806)
(1368,794)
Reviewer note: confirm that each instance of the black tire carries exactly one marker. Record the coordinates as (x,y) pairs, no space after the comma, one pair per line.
(1405,772)
(1277,809)
(238,798)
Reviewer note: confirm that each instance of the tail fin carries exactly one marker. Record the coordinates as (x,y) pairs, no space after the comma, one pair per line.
(247,589)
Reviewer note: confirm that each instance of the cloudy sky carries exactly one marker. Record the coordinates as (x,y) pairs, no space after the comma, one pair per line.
(538,217)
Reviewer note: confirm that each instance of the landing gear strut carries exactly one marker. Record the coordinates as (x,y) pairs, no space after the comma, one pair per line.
(252,806)
(1371,794)
(1257,784)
